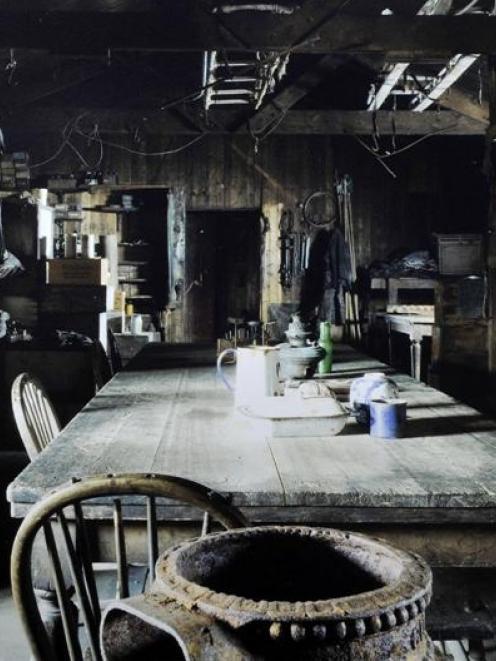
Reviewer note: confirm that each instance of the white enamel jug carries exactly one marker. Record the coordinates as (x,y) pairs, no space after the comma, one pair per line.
(257,373)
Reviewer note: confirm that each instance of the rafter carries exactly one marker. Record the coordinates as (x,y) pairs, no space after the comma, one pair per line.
(395,71)
(187,29)
(459,101)
(454,70)
(122,121)
(359,122)
(289,96)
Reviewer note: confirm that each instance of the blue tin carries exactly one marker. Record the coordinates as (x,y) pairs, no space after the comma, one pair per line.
(387,418)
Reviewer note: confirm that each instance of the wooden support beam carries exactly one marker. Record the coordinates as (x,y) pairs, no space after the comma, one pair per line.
(393,73)
(360,122)
(296,122)
(292,93)
(444,80)
(490,239)
(459,101)
(187,27)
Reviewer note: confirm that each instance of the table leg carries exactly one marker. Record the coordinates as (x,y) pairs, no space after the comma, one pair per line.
(52,619)
(390,344)
(415,357)
(418,359)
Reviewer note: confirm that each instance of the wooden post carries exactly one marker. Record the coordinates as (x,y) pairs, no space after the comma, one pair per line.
(490,169)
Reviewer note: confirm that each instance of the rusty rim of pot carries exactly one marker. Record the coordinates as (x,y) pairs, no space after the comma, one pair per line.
(405,593)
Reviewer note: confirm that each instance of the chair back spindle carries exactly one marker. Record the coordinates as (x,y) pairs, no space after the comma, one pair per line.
(63,516)
(34,414)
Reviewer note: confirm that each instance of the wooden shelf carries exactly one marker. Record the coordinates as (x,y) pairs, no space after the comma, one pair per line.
(65,219)
(133,245)
(110,209)
(134,262)
(64,191)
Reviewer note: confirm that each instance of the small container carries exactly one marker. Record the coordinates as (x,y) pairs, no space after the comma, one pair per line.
(127,202)
(325,341)
(387,418)
(460,254)
(136,324)
(88,245)
(373,385)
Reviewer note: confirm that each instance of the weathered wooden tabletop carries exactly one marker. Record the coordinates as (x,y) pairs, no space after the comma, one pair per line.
(432,492)
(168,413)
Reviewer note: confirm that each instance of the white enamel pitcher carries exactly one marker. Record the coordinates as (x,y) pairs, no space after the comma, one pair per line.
(257,373)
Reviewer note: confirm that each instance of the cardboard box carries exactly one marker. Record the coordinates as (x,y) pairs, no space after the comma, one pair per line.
(82,271)
(58,299)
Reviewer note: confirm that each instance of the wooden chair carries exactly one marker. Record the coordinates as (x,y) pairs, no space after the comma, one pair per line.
(34,414)
(62,519)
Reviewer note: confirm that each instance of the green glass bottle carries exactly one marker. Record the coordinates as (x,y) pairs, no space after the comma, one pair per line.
(325,341)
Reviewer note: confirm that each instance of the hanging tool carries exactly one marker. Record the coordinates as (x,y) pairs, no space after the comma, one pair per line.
(294,250)
(344,189)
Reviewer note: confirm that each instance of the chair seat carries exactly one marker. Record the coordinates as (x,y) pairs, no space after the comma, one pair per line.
(106,580)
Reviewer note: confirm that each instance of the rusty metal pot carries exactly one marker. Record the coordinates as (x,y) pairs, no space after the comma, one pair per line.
(277,593)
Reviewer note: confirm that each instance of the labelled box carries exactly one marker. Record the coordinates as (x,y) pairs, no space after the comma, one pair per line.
(78,271)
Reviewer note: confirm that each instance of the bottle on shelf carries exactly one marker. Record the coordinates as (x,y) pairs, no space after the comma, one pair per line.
(325,341)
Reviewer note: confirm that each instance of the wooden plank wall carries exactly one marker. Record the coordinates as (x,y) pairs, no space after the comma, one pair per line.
(439,185)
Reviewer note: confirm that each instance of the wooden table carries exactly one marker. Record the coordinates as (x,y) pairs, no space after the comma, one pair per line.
(433,491)
(416,326)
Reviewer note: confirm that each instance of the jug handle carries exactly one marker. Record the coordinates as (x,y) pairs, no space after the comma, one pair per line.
(220,373)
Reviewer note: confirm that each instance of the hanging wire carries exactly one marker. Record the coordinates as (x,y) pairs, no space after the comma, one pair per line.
(378,158)
(66,134)
(11,66)
(393,125)
(96,134)
(419,140)
(78,154)
(73,127)
(115,145)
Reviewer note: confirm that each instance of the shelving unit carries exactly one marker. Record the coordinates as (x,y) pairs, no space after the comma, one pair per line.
(135,238)
(134,264)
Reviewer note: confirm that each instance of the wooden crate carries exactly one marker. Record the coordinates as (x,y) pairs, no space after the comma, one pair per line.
(83,271)
(69,299)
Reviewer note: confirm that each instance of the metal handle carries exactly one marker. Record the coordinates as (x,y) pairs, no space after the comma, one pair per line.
(220,373)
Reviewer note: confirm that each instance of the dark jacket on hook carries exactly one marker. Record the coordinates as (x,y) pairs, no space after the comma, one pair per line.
(327,277)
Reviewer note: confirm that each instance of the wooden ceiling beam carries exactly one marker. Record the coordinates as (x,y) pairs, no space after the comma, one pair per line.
(296,122)
(197,30)
(360,122)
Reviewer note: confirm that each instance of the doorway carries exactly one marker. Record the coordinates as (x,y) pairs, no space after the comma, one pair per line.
(222,271)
